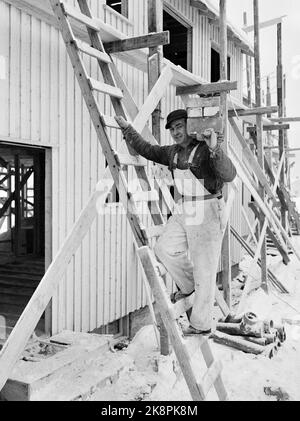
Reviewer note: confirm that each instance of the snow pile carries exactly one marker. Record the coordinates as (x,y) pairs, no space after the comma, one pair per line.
(157,378)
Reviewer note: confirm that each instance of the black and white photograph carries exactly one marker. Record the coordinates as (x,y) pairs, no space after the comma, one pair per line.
(149,204)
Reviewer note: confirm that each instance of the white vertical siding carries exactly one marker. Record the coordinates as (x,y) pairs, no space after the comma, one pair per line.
(41,103)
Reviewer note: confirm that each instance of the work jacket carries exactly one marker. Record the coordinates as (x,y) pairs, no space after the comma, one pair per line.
(213,169)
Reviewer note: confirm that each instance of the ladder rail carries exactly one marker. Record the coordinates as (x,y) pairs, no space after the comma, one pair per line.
(198,389)
(92,105)
(109,78)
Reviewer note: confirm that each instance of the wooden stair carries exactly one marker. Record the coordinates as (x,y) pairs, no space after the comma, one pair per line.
(18,281)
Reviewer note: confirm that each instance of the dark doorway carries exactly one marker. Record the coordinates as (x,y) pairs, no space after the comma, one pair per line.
(179,51)
(120,6)
(215,66)
(22,227)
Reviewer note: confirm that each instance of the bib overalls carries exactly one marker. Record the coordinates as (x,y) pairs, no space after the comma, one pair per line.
(191,243)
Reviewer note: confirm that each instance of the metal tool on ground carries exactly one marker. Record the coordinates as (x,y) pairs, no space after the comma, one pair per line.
(251,335)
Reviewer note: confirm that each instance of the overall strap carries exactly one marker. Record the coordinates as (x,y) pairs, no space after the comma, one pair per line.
(192,154)
(191,157)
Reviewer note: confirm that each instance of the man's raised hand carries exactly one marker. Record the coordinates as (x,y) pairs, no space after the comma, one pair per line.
(210,138)
(121,122)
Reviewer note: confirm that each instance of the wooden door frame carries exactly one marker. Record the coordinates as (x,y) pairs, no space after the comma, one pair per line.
(48,230)
(47,215)
(184,21)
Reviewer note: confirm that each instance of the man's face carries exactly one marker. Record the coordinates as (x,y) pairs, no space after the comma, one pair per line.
(178,132)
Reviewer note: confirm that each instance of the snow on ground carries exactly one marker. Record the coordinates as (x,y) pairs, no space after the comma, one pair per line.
(157,378)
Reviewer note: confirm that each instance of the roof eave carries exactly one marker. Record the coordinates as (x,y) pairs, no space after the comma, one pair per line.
(209,10)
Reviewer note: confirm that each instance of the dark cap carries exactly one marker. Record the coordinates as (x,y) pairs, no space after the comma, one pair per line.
(175,115)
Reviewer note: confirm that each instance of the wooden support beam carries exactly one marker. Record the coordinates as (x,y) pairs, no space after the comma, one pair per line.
(144,41)
(259,130)
(226,245)
(13,196)
(270,174)
(155,57)
(248,70)
(251,229)
(156,91)
(270,127)
(265,24)
(3,163)
(286,120)
(252,111)
(252,161)
(261,241)
(282,251)
(267,210)
(251,253)
(280,100)
(207,89)
(288,150)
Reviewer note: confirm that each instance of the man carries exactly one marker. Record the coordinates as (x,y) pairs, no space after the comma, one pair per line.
(191,243)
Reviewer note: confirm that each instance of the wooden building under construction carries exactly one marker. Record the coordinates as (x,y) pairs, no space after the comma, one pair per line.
(51,159)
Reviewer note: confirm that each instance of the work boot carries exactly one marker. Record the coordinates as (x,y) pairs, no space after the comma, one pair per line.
(190,330)
(178,295)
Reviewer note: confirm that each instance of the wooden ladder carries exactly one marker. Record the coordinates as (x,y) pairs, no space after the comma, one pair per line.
(89,87)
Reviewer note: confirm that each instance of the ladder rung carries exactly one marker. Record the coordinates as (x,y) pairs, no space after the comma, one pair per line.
(183,306)
(110,122)
(80,17)
(211,376)
(136,161)
(105,88)
(145,196)
(91,51)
